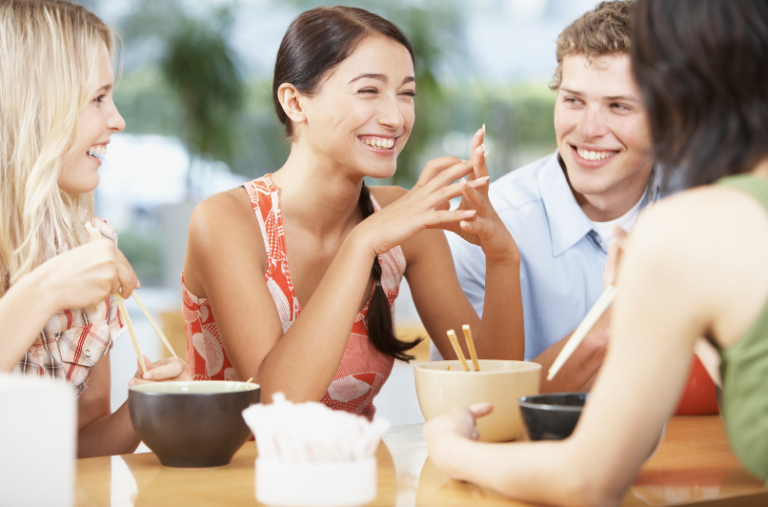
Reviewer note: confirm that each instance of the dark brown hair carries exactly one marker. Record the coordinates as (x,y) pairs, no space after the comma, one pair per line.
(316,42)
(602,31)
(701,67)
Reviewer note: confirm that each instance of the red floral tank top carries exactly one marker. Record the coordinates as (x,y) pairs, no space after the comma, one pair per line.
(363,368)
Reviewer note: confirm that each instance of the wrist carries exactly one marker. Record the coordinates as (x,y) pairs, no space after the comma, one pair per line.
(510,259)
(47,300)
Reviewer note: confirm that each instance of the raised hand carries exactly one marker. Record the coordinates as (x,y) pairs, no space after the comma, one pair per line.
(426,206)
(485,228)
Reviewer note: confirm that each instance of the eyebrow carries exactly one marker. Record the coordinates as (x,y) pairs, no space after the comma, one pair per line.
(611,98)
(104,88)
(383,78)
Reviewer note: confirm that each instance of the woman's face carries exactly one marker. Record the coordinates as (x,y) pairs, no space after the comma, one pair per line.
(99,120)
(364,112)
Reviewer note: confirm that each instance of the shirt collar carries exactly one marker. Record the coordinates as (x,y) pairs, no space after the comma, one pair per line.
(567,221)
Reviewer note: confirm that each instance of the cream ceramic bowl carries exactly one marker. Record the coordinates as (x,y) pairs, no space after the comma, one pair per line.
(498,382)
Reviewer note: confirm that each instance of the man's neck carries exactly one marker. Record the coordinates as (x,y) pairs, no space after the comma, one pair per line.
(616,201)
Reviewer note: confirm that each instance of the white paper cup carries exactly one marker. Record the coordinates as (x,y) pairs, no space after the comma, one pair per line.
(37,442)
(339,484)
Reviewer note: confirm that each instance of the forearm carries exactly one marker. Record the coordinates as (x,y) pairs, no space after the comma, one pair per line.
(502,333)
(303,362)
(532,472)
(24,311)
(108,435)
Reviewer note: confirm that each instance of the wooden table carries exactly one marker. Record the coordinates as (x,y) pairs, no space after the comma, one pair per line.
(694,466)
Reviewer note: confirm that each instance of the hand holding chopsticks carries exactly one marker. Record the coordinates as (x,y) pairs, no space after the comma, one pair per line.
(95,234)
(600,306)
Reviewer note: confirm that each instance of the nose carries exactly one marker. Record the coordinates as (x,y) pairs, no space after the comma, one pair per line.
(389,113)
(592,123)
(115,121)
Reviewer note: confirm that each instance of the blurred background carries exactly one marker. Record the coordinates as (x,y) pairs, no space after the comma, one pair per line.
(195,92)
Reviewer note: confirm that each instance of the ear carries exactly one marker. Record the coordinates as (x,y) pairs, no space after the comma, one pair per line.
(290,100)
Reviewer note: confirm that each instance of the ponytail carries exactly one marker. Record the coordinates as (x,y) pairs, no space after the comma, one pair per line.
(379,318)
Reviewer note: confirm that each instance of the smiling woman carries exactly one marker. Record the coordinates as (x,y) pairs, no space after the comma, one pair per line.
(291,278)
(57,289)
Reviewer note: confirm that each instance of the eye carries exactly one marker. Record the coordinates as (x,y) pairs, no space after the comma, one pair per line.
(619,107)
(368,90)
(99,99)
(571,100)
(409,93)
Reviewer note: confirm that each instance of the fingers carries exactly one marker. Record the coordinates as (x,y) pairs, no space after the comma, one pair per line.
(478,162)
(437,219)
(166,369)
(480,410)
(477,142)
(470,191)
(125,275)
(435,167)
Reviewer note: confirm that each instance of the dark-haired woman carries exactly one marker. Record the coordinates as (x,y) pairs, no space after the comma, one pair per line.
(290,279)
(695,265)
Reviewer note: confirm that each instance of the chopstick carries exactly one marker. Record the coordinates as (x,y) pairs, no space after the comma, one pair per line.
(95,234)
(600,306)
(457,349)
(471,343)
(153,323)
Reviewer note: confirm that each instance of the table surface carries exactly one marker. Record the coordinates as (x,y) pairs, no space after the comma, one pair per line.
(694,466)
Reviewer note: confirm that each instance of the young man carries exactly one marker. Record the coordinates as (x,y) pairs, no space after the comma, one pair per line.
(562,209)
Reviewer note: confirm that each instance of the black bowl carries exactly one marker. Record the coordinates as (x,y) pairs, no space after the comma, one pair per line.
(192,424)
(551,416)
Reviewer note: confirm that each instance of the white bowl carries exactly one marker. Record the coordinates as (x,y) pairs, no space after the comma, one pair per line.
(498,382)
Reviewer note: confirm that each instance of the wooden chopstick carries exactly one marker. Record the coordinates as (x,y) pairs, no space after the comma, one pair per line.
(600,306)
(95,234)
(471,346)
(457,349)
(153,323)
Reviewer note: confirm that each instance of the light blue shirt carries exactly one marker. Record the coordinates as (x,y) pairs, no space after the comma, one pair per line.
(562,257)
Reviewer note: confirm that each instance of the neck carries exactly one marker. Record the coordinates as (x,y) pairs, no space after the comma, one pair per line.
(317,193)
(616,201)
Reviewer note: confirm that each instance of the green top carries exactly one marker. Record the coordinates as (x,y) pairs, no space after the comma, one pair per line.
(744,371)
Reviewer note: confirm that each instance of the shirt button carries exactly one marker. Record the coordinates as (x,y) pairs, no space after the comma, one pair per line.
(32,350)
(87,353)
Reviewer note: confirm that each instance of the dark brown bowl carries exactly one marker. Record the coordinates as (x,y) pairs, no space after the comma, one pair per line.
(551,416)
(192,424)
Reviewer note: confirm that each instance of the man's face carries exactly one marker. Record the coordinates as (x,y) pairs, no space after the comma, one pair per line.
(603,134)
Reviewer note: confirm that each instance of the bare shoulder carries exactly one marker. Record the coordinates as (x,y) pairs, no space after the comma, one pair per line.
(703,217)
(708,246)
(223,229)
(222,214)
(387,195)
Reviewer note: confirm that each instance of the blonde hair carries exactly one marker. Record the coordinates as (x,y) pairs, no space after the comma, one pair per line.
(603,31)
(49,68)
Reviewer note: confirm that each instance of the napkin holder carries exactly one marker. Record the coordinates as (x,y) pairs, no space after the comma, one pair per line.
(337,484)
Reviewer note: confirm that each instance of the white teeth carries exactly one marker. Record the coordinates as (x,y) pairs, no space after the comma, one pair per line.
(98,151)
(594,155)
(379,142)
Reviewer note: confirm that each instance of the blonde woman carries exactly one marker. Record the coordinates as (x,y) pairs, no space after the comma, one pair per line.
(57,288)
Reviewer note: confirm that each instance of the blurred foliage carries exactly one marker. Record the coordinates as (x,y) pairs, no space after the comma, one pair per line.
(141,246)
(519,117)
(201,68)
